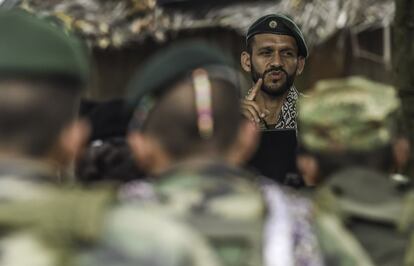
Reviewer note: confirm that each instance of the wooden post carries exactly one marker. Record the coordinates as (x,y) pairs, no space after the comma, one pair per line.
(403,65)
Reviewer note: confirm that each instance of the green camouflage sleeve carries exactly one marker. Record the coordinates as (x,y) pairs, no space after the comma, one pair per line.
(143,236)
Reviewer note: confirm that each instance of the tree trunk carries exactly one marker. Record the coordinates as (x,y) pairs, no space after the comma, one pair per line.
(403,62)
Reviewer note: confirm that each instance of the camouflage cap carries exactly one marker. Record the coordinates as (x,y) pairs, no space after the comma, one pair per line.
(278,24)
(33,47)
(353,115)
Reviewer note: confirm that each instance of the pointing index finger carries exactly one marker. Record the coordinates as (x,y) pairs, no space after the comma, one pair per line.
(252,94)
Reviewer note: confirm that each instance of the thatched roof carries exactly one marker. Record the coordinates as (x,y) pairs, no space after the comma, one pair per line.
(115,23)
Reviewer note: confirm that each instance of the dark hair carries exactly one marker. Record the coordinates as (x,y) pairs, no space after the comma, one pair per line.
(174,120)
(33,112)
(379,159)
(108,160)
(249,45)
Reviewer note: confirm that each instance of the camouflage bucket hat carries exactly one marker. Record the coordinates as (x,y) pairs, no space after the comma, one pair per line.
(353,114)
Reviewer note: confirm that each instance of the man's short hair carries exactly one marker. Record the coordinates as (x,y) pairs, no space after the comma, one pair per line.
(379,158)
(168,102)
(42,70)
(33,113)
(174,123)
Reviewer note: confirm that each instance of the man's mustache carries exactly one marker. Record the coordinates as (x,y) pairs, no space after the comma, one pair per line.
(271,69)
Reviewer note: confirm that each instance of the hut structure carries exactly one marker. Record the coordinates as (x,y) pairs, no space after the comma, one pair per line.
(345,37)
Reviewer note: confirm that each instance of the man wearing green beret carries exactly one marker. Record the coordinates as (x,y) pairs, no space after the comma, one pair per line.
(181,136)
(275,55)
(347,129)
(42,73)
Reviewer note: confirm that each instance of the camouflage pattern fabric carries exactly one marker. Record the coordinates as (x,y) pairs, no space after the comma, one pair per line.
(45,225)
(347,115)
(42,220)
(376,220)
(142,235)
(221,203)
(219,194)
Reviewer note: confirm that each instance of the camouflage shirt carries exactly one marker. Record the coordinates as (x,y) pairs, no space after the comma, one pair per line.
(370,213)
(226,198)
(49,225)
(222,203)
(41,223)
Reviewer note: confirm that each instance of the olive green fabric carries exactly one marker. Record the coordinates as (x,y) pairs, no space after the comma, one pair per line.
(32,47)
(136,234)
(338,245)
(46,221)
(278,24)
(347,115)
(370,211)
(220,202)
(42,224)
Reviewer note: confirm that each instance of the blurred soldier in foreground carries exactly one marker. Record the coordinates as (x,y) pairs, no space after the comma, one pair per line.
(188,133)
(42,72)
(348,127)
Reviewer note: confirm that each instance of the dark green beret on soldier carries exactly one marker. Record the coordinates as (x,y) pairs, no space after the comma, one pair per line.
(170,65)
(34,48)
(278,24)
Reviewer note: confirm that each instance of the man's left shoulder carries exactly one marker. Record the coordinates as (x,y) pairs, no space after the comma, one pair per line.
(131,234)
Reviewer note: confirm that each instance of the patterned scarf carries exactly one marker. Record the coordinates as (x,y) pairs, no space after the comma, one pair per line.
(287,116)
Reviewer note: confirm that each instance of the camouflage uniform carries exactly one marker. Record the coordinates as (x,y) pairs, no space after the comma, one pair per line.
(285,218)
(243,217)
(52,225)
(361,216)
(144,235)
(222,203)
(42,224)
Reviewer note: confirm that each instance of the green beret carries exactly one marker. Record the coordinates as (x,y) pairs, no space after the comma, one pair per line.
(352,114)
(167,66)
(32,47)
(278,24)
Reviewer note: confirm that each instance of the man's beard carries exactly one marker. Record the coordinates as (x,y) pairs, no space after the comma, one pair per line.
(282,90)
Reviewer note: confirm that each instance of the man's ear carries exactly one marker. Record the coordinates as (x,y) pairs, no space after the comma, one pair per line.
(71,141)
(245,61)
(149,154)
(308,167)
(301,65)
(245,144)
(141,149)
